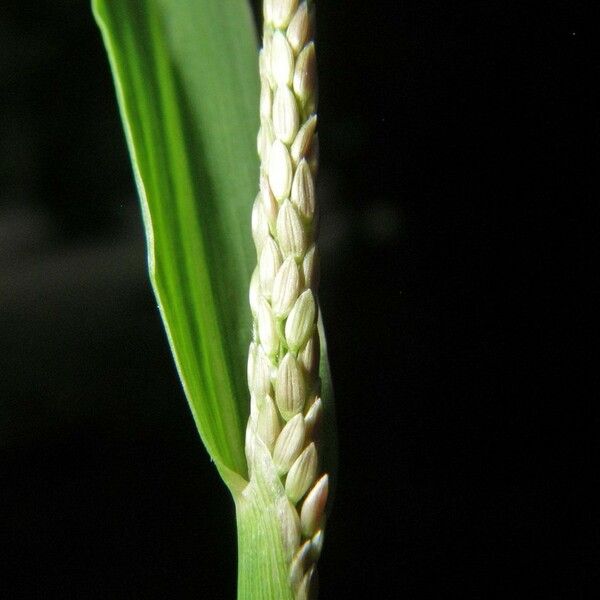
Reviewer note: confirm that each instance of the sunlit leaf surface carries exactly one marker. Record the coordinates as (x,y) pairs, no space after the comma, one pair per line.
(187,84)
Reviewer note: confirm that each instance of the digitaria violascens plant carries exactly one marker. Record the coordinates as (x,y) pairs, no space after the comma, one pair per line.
(192,98)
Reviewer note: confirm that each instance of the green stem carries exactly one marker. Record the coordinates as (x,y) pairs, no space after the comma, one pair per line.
(263,572)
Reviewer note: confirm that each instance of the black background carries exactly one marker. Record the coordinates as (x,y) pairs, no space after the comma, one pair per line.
(459,153)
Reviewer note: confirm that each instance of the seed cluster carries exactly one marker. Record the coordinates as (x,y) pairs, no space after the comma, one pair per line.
(283,362)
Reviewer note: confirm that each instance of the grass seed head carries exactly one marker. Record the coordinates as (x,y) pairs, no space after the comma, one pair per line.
(302,473)
(281,12)
(312,420)
(268,265)
(299,564)
(303,191)
(301,321)
(260,224)
(268,202)
(282,60)
(265,98)
(289,444)
(303,141)
(307,587)
(290,231)
(310,354)
(305,77)
(283,361)
(267,329)
(280,170)
(313,507)
(290,389)
(261,375)
(254,292)
(268,428)
(286,119)
(310,268)
(290,523)
(286,288)
(298,31)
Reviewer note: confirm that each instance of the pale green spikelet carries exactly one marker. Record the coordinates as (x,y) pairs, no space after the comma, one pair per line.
(283,377)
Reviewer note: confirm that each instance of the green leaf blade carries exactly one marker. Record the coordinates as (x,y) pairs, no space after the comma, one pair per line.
(195,165)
